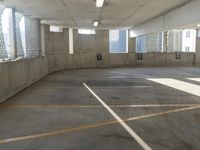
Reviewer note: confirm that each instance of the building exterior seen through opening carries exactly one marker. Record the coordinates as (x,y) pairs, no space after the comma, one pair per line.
(100,75)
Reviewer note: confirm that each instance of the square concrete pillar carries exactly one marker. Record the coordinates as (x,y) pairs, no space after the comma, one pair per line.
(197,54)
(131,45)
(42,37)
(164,46)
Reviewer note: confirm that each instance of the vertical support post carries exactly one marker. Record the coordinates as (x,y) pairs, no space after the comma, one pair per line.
(43,47)
(131,45)
(197,53)
(71,41)
(39,37)
(164,45)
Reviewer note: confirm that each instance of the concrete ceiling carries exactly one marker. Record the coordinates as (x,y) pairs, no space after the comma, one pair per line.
(81,13)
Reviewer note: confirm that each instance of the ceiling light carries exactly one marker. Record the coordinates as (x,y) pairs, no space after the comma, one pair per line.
(86,31)
(198,25)
(99,3)
(96,23)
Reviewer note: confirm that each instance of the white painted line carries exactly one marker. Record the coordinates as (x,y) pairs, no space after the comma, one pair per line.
(123,124)
(179,85)
(194,79)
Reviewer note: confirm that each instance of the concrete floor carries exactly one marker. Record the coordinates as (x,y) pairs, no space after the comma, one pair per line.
(59,113)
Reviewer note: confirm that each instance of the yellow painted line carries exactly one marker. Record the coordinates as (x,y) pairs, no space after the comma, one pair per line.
(68,130)
(53,133)
(162,113)
(92,106)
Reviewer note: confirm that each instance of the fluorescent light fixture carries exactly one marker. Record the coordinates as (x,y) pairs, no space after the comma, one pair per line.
(198,25)
(86,31)
(99,3)
(132,34)
(56,29)
(96,23)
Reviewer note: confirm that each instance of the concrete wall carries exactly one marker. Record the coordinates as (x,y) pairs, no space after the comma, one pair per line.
(166,59)
(86,48)
(57,49)
(87,44)
(19,74)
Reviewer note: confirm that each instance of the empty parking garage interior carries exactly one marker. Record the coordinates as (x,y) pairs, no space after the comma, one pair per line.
(99,75)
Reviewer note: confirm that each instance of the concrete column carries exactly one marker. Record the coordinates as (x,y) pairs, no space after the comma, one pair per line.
(40,37)
(131,45)
(45,38)
(164,46)
(42,27)
(13,42)
(71,41)
(197,55)
(131,52)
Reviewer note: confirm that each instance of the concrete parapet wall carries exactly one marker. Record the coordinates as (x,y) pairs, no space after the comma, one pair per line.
(19,74)
(78,61)
(166,59)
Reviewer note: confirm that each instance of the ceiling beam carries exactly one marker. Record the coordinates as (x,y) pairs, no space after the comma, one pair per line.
(184,15)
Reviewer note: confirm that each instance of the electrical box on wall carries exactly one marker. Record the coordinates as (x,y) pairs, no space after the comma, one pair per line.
(178,55)
(99,56)
(140,56)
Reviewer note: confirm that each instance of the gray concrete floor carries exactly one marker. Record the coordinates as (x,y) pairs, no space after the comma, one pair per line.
(71,118)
